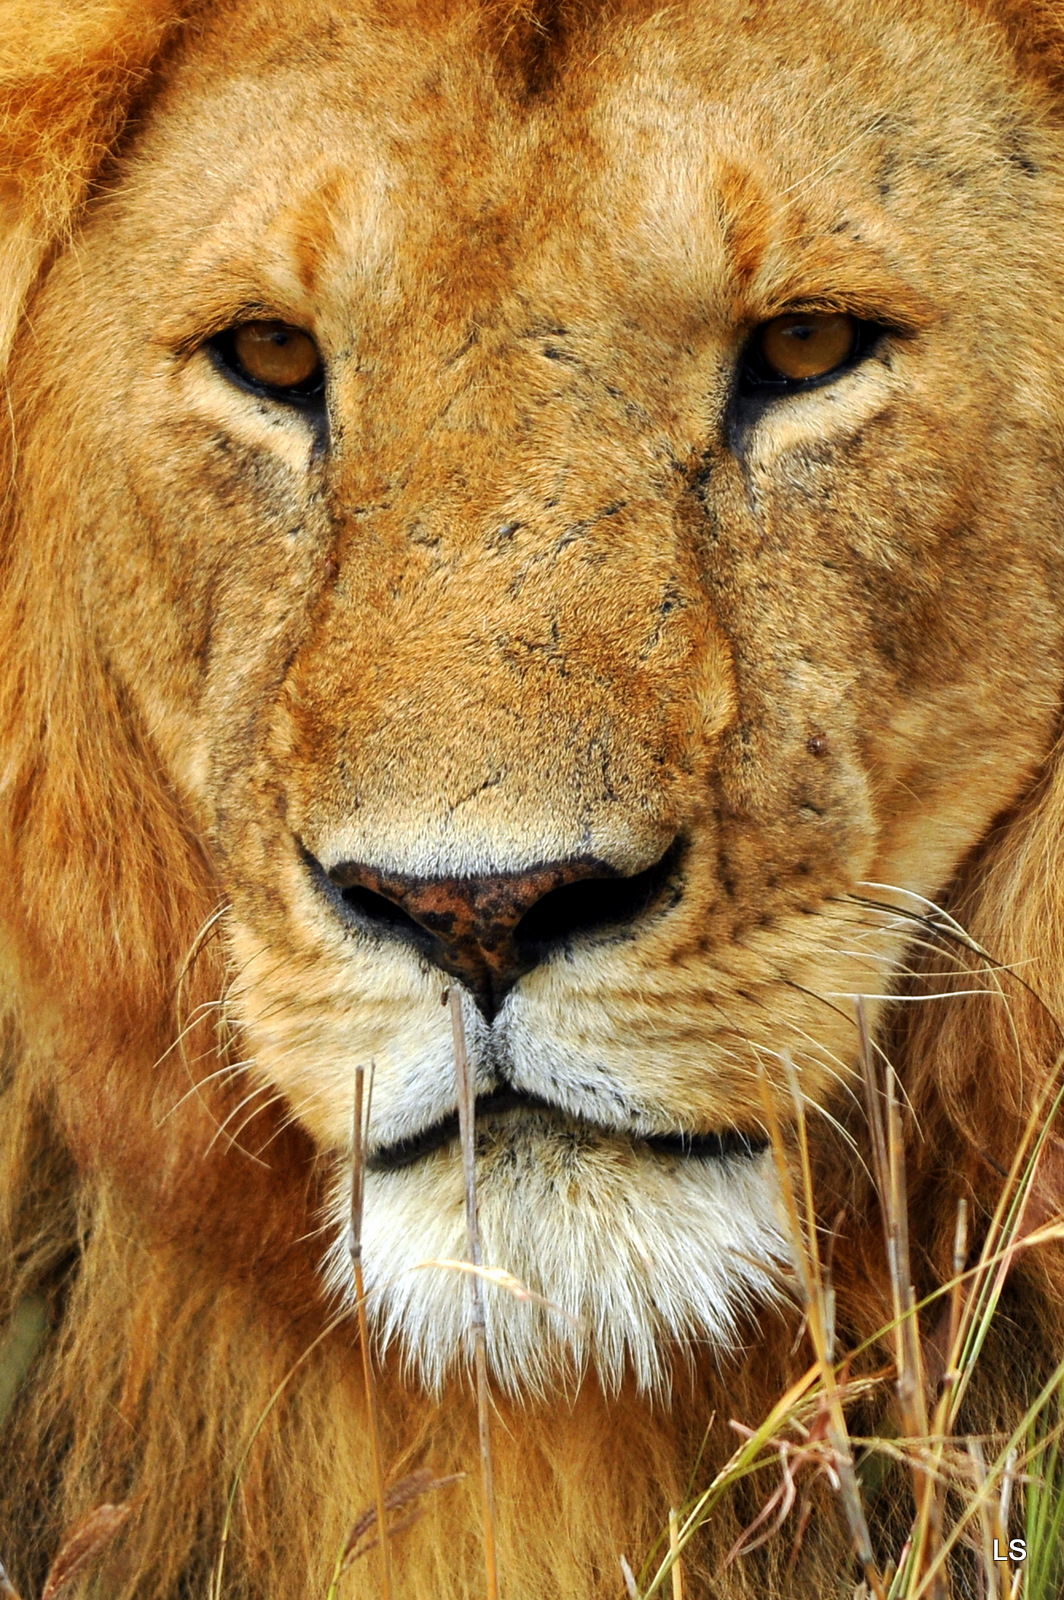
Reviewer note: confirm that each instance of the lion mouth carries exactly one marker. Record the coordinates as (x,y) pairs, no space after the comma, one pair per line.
(501,1103)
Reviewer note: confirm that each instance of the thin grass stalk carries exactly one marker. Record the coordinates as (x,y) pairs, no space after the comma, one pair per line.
(928,1533)
(911,1389)
(888,1156)
(1004,1224)
(467,1131)
(354,1241)
(971,1311)
(820,1314)
(1048,1234)
(970,1308)
(215,1592)
(631,1588)
(745,1461)
(1044,1511)
(980,1303)
(7,1588)
(674,1552)
(986,1525)
(888,1153)
(924,1587)
(337,1573)
(363,1536)
(1002,1516)
(957,1292)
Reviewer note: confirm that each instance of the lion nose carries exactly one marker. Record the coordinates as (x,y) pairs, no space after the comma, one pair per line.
(490,931)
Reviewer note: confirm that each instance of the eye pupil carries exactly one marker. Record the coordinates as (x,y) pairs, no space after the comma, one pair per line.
(808,345)
(278,356)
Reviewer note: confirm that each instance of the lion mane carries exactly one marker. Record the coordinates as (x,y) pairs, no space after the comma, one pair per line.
(167,1219)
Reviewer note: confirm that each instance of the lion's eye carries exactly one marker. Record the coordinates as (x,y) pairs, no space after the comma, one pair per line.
(809,345)
(274,356)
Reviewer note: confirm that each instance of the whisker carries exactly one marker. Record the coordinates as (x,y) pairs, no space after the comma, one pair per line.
(262,1088)
(229,1069)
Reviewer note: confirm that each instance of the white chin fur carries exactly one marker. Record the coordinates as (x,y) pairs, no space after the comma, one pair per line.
(640,1257)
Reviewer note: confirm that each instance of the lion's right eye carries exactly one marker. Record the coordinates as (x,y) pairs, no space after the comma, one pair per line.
(803,349)
(810,346)
(272,357)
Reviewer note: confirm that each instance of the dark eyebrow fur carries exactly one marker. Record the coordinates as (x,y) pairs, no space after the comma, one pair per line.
(532,41)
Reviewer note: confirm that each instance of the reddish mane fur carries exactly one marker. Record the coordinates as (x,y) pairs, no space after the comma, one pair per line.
(170,1340)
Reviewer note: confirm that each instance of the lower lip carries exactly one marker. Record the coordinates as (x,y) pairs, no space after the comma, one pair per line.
(691,1146)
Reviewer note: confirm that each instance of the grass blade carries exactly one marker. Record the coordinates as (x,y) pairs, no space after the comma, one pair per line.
(84,1543)
(7,1588)
(467,1130)
(360,1120)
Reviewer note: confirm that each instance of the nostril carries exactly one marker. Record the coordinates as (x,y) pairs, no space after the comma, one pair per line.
(388,916)
(595,904)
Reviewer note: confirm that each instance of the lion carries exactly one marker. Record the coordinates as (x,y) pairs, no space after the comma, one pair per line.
(559,505)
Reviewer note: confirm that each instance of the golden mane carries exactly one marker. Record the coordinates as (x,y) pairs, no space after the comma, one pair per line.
(68,77)
(156,1386)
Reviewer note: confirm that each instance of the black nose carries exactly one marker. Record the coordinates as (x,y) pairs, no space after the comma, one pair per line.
(489,931)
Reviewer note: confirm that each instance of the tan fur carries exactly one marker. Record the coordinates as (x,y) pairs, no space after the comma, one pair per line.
(545,592)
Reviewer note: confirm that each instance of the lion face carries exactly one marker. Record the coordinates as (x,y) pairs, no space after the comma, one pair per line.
(544,636)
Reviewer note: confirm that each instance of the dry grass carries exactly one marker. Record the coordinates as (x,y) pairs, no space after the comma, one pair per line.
(977,1494)
(359,1125)
(467,1127)
(987,1496)
(84,1545)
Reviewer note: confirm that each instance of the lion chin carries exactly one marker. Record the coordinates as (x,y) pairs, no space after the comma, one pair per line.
(626,1258)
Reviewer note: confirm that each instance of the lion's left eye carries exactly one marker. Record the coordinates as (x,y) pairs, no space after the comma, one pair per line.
(802,349)
(272,356)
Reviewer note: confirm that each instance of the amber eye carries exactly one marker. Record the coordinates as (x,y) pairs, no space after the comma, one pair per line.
(807,345)
(275,355)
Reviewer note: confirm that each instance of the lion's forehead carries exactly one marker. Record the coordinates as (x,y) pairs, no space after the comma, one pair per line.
(652,180)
